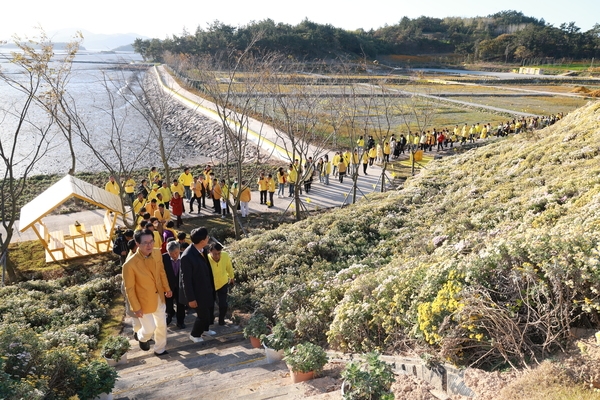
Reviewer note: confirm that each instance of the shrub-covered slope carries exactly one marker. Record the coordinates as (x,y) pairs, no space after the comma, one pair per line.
(487,257)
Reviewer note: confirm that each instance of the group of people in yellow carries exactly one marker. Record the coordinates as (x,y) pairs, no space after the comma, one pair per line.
(156,197)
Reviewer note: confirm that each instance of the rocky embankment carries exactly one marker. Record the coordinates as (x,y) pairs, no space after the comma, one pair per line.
(191,127)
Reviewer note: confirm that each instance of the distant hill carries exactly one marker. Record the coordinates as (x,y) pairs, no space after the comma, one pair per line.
(100,42)
(57,46)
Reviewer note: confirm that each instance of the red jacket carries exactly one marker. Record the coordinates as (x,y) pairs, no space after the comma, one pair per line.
(177,206)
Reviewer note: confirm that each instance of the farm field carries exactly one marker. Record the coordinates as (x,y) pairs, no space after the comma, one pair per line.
(534,105)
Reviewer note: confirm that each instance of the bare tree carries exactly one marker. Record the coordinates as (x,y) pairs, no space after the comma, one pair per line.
(301,126)
(27,141)
(147,96)
(116,147)
(232,81)
(55,77)
(417,112)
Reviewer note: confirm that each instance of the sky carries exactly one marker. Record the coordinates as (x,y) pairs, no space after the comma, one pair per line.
(162,19)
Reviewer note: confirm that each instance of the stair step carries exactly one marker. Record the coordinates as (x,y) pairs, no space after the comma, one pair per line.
(224,366)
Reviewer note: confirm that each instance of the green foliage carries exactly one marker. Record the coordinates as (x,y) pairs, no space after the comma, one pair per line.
(258,325)
(96,378)
(115,347)
(280,339)
(305,357)
(47,334)
(504,36)
(368,379)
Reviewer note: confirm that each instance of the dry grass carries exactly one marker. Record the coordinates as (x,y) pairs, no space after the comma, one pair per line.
(546,382)
(580,89)
(595,93)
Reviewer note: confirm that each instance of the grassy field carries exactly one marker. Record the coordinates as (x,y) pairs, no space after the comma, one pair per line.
(534,105)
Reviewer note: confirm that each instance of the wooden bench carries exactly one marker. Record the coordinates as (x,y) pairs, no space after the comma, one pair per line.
(100,236)
(56,242)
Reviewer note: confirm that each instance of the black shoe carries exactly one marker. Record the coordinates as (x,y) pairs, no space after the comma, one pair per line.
(135,336)
(181,326)
(164,353)
(144,346)
(169,319)
(221,322)
(191,211)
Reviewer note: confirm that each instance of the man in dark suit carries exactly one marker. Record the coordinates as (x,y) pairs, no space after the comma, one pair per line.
(198,283)
(172,264)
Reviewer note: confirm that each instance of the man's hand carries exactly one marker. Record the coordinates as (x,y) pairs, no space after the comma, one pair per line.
(169,294)
(193,304)
(138,313)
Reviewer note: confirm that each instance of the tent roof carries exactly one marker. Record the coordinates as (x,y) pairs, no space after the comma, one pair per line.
(61,191)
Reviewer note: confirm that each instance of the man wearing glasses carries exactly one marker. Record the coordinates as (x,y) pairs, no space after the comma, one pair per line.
(147,286)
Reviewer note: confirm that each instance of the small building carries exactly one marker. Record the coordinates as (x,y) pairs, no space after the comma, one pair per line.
(530,71)
(80,240)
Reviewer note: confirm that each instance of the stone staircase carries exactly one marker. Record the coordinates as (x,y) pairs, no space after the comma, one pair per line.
(222,367)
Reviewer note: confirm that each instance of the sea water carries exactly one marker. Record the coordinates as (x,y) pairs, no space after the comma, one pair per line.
(99,86)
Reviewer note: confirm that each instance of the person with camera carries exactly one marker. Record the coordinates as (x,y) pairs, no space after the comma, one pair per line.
(120,246)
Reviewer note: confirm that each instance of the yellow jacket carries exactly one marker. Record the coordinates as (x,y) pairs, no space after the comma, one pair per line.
(270,184)
(163,218)
(262,183)
(137,205)
(372,152)
(166,194)
(222,270)
(293,175)
(144,279)
(245,196)
(186,179)
(153,195)
(129,186)
(176,188)
(112,187)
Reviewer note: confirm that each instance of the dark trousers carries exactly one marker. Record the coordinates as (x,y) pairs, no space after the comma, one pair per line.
(217,205)
(263,197)
(170,302)
(202,322)
(365,168)
(223,306)
(271,199)
(197,199)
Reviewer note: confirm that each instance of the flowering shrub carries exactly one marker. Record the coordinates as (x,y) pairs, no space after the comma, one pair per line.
(488,257)
(47,333)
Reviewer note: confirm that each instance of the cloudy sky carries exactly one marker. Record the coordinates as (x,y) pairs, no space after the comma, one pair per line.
(164,18)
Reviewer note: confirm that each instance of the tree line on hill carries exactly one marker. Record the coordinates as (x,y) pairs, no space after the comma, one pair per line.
(507,36)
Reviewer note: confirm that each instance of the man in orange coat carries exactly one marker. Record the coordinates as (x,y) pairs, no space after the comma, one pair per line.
(147,286)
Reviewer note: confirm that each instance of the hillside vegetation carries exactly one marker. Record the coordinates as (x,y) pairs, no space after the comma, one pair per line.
(504,36)
(488,258)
